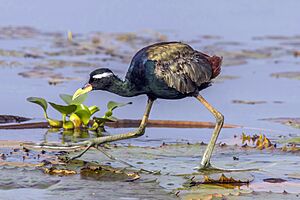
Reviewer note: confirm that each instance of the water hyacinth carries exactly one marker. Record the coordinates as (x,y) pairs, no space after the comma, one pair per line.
(76,115)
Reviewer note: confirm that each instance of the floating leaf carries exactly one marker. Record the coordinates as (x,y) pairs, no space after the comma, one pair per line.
(293,122)
(40,101)
(60,172)
(290,148)
(68,99)
(260,142)
(64,109)
(106,173)
(224,180)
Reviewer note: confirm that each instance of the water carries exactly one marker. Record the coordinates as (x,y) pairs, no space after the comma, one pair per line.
(234,19)
(225,28)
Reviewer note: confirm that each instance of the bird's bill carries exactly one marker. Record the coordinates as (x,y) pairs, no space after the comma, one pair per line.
(87,88)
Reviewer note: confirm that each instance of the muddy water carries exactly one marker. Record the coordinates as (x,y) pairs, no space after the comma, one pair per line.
(39,61)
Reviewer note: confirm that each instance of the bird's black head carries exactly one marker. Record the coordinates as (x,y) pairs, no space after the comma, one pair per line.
(101,79)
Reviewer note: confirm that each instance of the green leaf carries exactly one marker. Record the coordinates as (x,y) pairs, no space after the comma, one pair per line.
(108,113)
(111,105)
(68,125)
(84,115)
(55,123)
(40,101)
(94,126)
(68,99)
(76,120)
(82,107)
(94,109)
(64,109)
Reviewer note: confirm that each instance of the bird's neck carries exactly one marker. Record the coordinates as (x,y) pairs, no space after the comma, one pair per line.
(123,88)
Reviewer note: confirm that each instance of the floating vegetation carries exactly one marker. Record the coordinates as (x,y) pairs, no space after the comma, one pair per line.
(106,173)
(76,115)
(58,172)
(248,102)
(289,75)
(289,121)
(258,141)
(222,180)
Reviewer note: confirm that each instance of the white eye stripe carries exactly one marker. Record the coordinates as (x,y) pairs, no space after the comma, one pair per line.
(105,74)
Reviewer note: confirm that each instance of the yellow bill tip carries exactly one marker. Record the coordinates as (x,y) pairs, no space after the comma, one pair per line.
(87,88)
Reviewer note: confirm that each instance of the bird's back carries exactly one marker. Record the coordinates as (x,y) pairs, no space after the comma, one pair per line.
(172,67)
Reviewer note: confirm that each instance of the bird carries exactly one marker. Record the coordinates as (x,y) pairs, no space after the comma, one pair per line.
(165,70)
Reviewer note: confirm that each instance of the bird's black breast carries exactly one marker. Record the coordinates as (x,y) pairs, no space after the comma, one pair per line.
(169,70)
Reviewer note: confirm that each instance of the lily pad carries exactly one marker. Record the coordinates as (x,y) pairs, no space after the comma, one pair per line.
(106,173)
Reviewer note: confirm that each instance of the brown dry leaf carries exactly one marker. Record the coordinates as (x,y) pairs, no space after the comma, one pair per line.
(133,176)
(20,164)
(59,172)
(223,180)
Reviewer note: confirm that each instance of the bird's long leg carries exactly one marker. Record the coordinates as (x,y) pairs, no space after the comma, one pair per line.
(137,133)
(205,163)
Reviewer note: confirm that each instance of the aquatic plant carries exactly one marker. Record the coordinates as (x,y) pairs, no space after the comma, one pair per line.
(76,115)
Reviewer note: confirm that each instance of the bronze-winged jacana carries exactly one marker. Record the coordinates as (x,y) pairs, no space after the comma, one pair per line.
(168,70)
